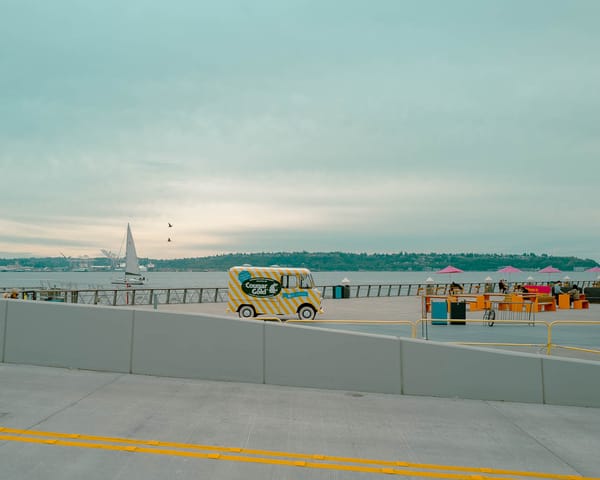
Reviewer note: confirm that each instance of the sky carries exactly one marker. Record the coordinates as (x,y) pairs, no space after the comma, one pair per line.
(299,125)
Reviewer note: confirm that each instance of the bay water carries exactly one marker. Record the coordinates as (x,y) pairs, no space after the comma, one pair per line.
(102,280)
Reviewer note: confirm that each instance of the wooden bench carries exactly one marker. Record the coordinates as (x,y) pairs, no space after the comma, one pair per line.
(580,303)
(544,303)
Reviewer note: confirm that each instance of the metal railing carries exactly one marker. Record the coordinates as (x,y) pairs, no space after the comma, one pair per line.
(167,295)
(129,296)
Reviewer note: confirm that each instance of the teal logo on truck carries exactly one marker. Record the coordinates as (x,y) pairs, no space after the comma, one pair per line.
(295,294)
(261,287)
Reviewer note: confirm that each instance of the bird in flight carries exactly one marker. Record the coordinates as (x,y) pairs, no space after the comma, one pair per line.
(170,224)
(169,239)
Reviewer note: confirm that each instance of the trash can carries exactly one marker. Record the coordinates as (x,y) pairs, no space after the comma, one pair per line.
(439,313)
(341,291)
(458,311)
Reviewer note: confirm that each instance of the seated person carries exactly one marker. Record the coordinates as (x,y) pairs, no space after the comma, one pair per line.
(502,286)
(574,293)
(520,289)
(557,290)
(455,288)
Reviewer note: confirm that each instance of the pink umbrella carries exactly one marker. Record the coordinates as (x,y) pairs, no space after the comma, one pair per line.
(549,269)
(450,270)
(510,269)
(593,269)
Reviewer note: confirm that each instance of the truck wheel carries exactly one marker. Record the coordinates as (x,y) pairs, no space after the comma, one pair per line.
(306,312)
(246,311)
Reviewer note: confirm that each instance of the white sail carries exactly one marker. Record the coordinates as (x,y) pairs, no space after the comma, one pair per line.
(132,267)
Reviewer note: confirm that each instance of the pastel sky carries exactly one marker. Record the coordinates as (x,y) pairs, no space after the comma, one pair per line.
(318,125)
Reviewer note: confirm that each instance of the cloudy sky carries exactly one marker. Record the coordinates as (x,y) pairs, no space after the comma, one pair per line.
(318,125)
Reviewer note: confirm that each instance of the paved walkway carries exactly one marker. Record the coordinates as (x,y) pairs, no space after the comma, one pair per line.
(58,424)
(477,331)
(378,308)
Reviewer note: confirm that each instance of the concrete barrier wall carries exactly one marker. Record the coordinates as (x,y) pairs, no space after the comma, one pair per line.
(221,348)
(571,382)
(198,346)
(437,369)
(74,336)
(3,307)
(309,357)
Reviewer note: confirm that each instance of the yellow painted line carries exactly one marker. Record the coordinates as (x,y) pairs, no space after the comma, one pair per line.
(303,460)
(264,461)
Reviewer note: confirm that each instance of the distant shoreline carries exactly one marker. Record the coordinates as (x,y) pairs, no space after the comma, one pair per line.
(403,262)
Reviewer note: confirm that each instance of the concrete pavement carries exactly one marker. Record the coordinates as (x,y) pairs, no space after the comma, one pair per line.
(63,424)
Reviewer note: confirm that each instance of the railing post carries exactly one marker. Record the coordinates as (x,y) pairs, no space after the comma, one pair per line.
(201,295)
(168,296)
(184,295)
(216,294)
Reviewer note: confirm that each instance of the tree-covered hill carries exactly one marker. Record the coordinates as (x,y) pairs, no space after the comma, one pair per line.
(334,261)
(404,261)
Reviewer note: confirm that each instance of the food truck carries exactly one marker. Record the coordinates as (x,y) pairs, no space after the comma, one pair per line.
(273,291)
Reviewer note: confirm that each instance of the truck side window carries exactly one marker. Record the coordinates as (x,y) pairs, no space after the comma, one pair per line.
(306,281)
(288,281)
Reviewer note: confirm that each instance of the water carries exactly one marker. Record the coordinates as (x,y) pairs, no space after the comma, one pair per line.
(83,280)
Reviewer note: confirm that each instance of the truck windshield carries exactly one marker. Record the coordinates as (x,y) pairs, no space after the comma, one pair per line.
(306,281)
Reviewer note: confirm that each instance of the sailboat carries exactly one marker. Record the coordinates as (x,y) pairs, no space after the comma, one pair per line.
(132,267)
